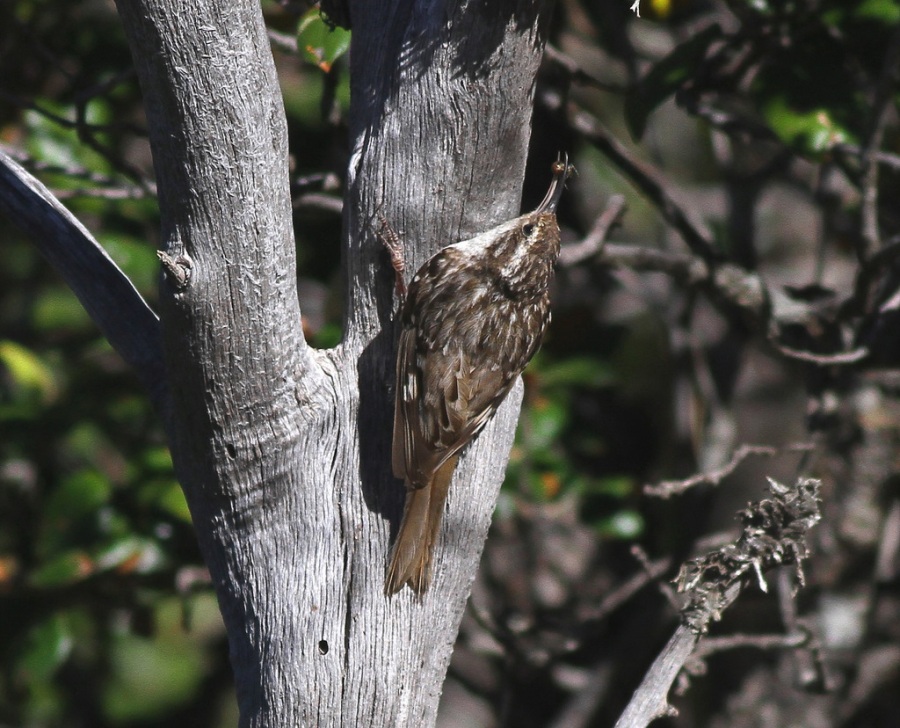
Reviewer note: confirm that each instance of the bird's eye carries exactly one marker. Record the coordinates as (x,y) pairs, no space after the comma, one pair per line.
(528,228)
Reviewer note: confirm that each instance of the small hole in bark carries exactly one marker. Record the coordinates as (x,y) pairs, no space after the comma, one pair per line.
(323,647)
(231,450)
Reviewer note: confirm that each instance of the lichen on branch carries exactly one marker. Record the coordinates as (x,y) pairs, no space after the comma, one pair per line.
(774,532)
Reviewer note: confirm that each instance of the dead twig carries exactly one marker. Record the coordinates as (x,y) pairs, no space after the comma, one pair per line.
(668,488)
(592,244)
(319,201)
(650,571)
(683,267)
(887,564)
(882,157)
(648,566)
(809,663)
(711,645)
(103,193)
(860,301)
(642,174)
(773,534)
(841,358)
(87,132)
(882,104)
(283,41)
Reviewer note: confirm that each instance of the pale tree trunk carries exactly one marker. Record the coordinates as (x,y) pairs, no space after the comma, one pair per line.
(283,451)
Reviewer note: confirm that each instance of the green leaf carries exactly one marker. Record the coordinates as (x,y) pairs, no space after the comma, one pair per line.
(171,499)
(619,486)
(70,518)
(666,77)
(58,309)
(626,524)
(884,11)
(27,383)
(319,44)
(57,144)
(809,94)
(814,132)
(150,677)
(328,336)
(46,648)
(79,495)
(68,567)
(157,459)
(136,259)
(28,372)
(546,420)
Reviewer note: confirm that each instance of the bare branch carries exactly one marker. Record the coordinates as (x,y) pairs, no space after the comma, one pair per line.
(126,192)
(593,243)
(649,701)
(711,645)
(87,132)
(876,671)
(882,104)
(665,587)
(643,175)
(110,188)
(739,289)
(650,570)
(733,288)
(809,667)
(668,488)
(860,301)
(840,358)
(727,121)
(879,155)
(581,707)
(887,565)
(683,267)
(104,290)
(774,534)
(283,41)
(319,201)
(79,123)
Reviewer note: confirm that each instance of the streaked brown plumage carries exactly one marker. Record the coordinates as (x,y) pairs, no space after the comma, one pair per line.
(474,316)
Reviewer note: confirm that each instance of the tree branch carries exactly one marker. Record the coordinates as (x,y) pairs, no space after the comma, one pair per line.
(774,534)
(440,122)
(668,488)
(284,453)
(647,179)
(107,294)
(735,290)
(249,395)
(881,106)
(595,239)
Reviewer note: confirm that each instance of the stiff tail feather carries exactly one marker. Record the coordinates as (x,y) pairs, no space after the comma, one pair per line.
(418,533)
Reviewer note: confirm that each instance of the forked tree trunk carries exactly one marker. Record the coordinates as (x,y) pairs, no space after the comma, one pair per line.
(283,451)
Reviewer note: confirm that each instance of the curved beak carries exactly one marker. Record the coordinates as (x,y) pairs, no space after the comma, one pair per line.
(561,171)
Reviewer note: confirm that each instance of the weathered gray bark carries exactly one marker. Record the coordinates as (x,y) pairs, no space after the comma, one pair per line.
(283,451)
(107,294)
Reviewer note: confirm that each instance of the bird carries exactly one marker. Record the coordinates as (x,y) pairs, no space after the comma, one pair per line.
(474,315)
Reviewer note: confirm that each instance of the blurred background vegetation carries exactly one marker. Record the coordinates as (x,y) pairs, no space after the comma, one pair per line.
(768,129)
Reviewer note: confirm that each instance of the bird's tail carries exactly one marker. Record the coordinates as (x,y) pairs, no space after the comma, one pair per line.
(419,529)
